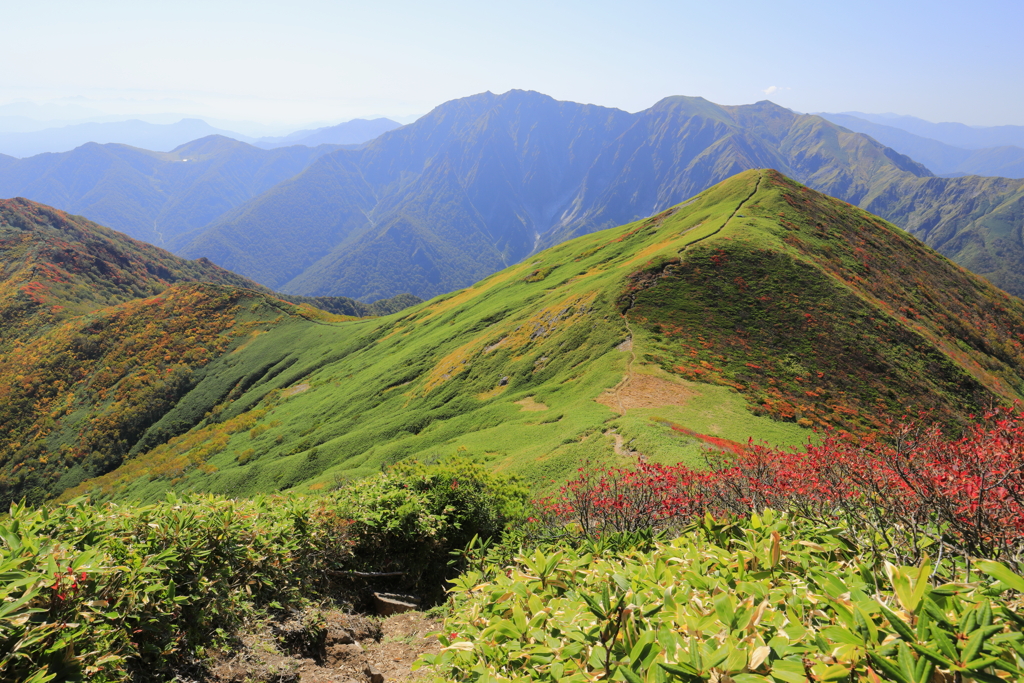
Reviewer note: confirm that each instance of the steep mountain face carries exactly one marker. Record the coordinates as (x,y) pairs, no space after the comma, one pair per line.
(153,196)
(483,182)
(464,191)
(1006,161)
(978,222)
(756,309)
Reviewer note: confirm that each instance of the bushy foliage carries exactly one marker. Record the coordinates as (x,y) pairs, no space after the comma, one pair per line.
(110,591)
(907,492)
(412,517)
(763,599)
(116,592)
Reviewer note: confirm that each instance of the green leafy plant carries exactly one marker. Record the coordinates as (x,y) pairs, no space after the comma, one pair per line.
(765,598)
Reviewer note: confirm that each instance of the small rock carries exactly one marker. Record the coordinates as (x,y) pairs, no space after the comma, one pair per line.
(373,675)
(503,382)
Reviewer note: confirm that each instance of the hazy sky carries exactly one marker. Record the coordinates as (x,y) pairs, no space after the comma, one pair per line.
(309,60)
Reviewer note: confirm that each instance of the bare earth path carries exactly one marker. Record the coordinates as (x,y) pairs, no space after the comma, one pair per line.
(620,390)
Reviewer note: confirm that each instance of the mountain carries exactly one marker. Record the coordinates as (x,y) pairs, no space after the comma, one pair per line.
(153,196)
(354,132)
(955,134)
(426,208)
(482,182)
(56,267)
(755,309)
(1006,161)
(135,133)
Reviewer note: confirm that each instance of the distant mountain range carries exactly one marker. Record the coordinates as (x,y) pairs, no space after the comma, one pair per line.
(166,137)
(483,182)
(1006,161)
(154,196)
(354,132)
(955,134)
(149,136)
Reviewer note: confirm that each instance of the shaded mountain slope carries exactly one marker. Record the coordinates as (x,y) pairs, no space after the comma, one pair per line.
(482,182)
(153,196)
(477,179)
(754,309)
(978,222)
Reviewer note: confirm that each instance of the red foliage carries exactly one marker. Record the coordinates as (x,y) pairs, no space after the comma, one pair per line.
(914,489)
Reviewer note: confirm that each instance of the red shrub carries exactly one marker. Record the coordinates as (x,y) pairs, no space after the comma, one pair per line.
(912,490)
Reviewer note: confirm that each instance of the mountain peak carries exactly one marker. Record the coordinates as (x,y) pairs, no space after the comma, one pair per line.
(683,105)
(208,145)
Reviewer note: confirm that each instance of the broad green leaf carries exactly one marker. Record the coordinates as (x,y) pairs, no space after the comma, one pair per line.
(1001,572)
(725,609)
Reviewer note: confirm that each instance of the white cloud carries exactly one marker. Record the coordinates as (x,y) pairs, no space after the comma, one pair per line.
(772,89)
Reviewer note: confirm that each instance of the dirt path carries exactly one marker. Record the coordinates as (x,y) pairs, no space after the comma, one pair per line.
(356,649)
(739,206)
(620,390)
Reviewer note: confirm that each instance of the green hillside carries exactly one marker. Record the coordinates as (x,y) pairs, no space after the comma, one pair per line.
(102,335)
(755,309)
(56,266)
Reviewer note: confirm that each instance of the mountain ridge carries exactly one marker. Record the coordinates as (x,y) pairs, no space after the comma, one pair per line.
(1005,161)
(757,308)
(153,195)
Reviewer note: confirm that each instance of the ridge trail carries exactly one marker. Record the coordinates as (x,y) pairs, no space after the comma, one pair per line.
(628,377)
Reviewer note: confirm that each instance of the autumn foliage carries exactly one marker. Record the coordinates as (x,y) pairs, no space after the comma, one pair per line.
(912,491)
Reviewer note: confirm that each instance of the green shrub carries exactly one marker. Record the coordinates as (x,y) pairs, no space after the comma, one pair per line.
(113,593)
(108,592)
(412,517)
(764,599)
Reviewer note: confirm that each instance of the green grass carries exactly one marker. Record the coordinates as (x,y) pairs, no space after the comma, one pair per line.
(716,294)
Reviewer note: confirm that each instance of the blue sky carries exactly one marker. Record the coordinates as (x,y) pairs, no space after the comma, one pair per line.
(309,60)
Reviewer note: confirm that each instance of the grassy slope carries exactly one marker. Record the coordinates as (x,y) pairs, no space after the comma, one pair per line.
(100,336)
(83,395)
(842,313)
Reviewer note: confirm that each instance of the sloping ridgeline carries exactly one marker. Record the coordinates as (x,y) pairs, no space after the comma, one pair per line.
(101,336)
(756,309)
